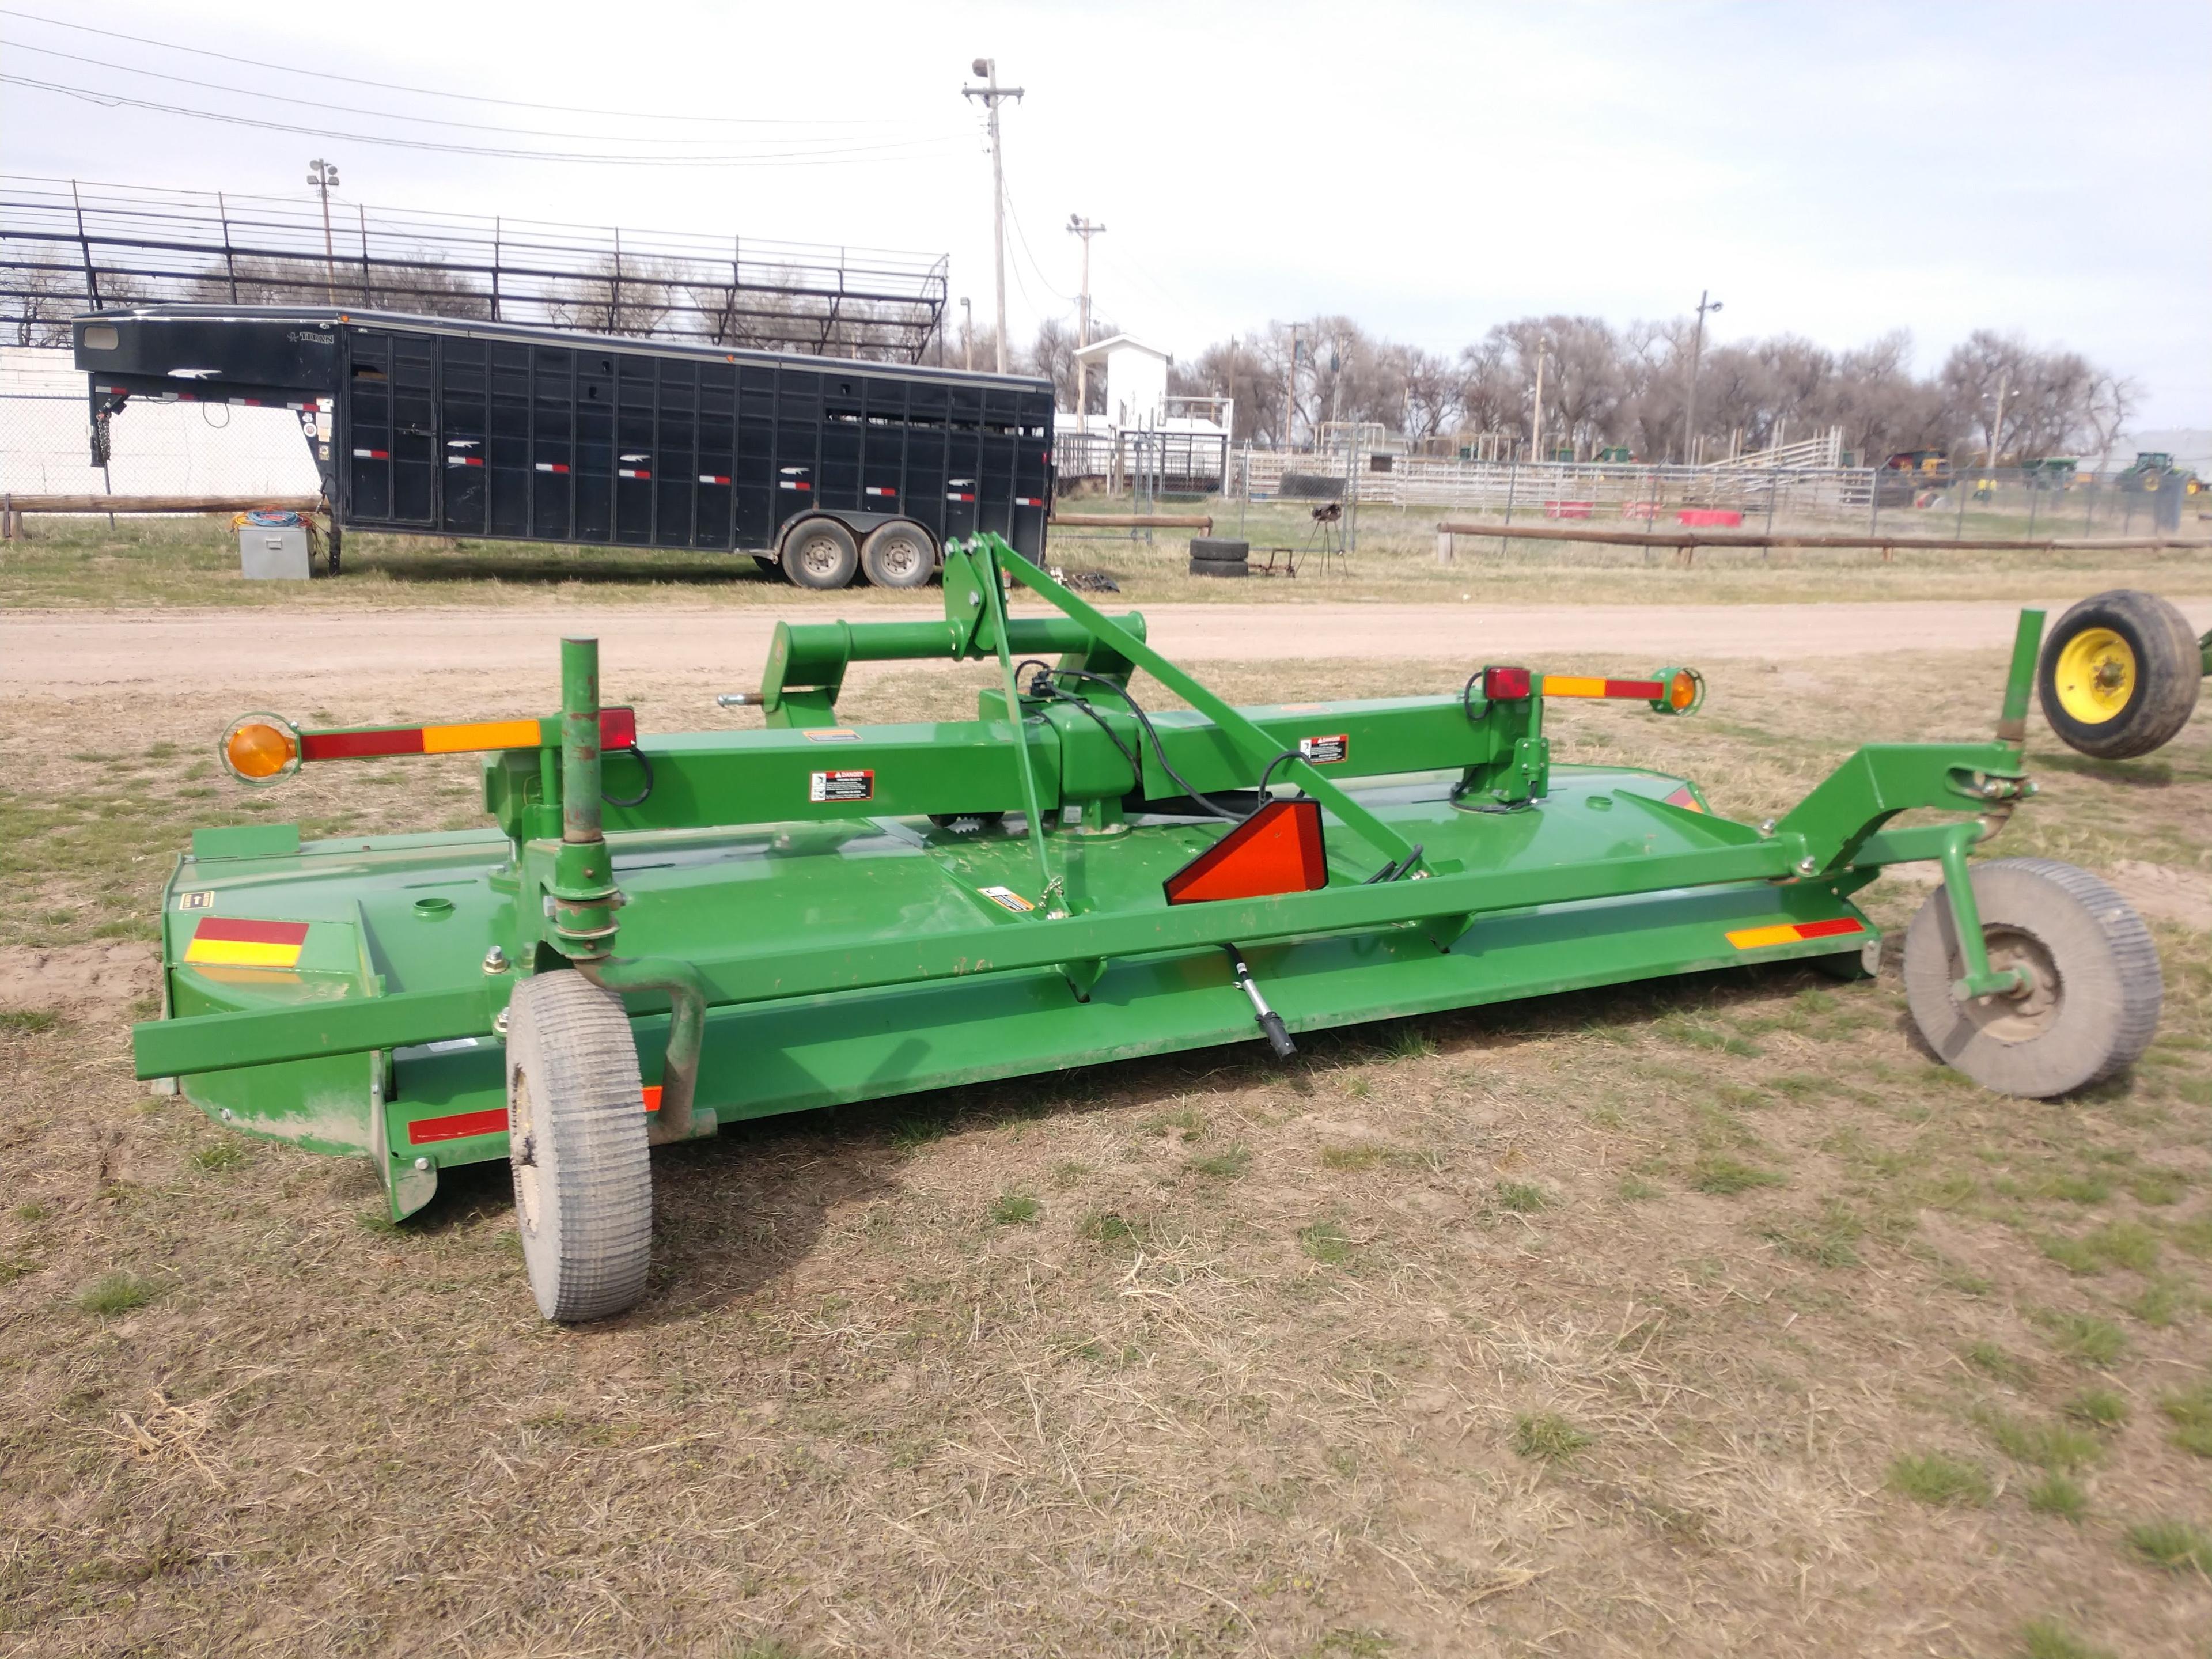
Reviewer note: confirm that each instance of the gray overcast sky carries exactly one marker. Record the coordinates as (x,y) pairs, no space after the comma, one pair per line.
(1835,170)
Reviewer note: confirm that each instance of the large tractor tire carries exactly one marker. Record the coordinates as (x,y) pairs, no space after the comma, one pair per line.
(820,553)
(576,1131)
(2092,1007)
(2120,674)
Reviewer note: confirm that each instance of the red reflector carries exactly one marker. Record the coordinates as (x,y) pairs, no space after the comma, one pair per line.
(1830,929)
(361,745)
(652,1097)
(1504,685)
(245,930)
(617,728)
(423,1131)
(1277,850)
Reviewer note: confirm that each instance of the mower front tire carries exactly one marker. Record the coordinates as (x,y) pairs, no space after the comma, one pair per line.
(2120,674)
(576,1132)
(2092,1008)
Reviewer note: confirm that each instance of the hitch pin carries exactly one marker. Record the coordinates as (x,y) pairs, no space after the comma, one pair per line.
(740,700)
(1270,1021)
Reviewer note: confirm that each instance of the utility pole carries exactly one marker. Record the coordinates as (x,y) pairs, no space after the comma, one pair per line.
(1079,226)
(1291,391)
(1996,426)
(966,334)
(1536,426)
(1696,351)
(993,95)
(324,178)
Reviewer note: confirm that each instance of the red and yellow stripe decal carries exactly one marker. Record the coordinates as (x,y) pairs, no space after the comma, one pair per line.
(1791,933)
(1589,685)
(459,1125)
(618,730)
(240,942)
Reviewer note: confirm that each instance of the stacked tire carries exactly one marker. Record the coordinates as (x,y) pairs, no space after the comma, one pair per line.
(1218,555)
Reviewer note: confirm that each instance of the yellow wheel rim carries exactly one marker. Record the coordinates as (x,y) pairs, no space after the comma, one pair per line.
(2096,675)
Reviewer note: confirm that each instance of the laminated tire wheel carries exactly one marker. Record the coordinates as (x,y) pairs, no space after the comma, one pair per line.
(1219,550)
(2091,1004)
(2119,674)
(576,1140)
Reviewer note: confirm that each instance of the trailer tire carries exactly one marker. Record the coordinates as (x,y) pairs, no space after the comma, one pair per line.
(576,1129)
(2093,1008)
(820,554)
(1220,549)
(898,554)
(2120,674)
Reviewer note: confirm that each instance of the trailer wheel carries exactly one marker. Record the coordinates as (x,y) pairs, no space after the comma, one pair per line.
(2093,1008)
(820,554)
(2120,674)
(898,554)
(583,1176)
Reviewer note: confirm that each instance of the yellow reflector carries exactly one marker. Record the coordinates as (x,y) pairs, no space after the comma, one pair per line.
(480,734)
(260,748)
(1573,685)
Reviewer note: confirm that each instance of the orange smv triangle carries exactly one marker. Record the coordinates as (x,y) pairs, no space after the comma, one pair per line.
(1277,850)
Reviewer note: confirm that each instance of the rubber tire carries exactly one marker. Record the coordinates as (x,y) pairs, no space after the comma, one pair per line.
(583,1173)
(1219,568)
(890,543)
(2107,991)
(1219,549)
(2169,672)
(820,554)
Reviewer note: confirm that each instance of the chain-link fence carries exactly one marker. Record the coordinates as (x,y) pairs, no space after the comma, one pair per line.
(167,449)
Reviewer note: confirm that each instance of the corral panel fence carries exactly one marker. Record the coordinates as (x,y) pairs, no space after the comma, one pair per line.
(1167,462)
(68,246)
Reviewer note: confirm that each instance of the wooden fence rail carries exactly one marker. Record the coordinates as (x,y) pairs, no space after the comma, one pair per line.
(1685,542)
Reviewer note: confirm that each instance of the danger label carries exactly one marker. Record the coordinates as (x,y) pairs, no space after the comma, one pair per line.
(1325,751)
(1006,898)
(841,786)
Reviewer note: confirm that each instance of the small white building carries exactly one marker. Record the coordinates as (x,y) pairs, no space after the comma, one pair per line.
(1191,447)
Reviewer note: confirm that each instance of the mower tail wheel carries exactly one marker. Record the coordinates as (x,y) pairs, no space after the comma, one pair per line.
(820,553)
(2120,674)
(583,1175)
(2092,1007)
(898,554)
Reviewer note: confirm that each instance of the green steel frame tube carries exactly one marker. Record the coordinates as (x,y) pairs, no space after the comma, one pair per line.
(995,605)
(2027,641)
(687,1027)
(580,741)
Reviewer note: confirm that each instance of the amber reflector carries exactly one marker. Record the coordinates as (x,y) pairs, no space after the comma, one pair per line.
(258,751)
(1682,689)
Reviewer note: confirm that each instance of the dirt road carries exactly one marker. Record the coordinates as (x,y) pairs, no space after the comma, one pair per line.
(211,649)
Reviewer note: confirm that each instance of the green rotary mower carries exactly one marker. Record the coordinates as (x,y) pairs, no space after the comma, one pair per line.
(657,935)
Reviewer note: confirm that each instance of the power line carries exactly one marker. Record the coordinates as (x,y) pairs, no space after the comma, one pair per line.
(381,115)
(816,158)
(428,92)
(1022,237)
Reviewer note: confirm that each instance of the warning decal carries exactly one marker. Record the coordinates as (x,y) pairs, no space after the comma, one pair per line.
(1325,751)
(203,900)
(1008,898)
(841,786)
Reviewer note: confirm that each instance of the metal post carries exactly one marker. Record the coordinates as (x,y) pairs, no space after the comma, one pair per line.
(84,246)
(1958,484)
(229,259)
(1512,478)
(1079,226)
(1697,351)
(580,740)
(1290,393)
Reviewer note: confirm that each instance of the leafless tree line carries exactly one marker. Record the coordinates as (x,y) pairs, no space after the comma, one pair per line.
(1607,387)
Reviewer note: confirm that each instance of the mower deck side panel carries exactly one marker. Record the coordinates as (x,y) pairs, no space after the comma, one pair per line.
(766,1059)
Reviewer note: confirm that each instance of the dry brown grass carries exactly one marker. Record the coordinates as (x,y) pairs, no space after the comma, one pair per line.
(1271,1410)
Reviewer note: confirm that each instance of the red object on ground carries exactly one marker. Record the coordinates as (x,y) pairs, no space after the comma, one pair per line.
(1569,509)
(1646,510)
(1709,517)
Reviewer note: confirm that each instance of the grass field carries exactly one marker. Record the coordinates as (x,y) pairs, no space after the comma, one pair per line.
(1697,1318)
(73,562)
